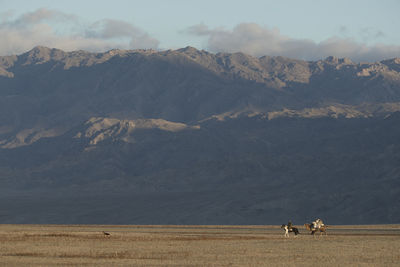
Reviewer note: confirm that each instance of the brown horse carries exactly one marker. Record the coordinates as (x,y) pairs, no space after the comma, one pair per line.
(321,230)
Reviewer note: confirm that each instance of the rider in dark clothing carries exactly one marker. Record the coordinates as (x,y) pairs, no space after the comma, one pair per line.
(289,225)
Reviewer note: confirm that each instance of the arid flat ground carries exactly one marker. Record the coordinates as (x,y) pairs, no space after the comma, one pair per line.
(80,245)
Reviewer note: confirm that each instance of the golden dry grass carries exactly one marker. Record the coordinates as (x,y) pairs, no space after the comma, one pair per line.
(79,245)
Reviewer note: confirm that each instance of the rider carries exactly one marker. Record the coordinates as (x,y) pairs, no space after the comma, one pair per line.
(289,225)
(314,225)
(317,224)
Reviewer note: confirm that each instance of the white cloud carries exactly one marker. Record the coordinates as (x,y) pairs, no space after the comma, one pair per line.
(256,40)
(53,28)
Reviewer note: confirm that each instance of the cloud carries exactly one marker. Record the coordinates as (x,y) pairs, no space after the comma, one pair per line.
(368,34)
(5,15)
(257,40)
(53,28)
(117,29)
(41,16)
(199,29)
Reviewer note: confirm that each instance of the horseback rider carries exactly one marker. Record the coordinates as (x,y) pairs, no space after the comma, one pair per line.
(314,225)
(317,224)
(290,229)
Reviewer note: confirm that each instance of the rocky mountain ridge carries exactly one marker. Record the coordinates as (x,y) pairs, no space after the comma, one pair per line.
(278,71)
(197,138)
(185,85)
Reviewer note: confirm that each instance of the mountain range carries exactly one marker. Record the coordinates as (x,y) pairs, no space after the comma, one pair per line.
(190,137)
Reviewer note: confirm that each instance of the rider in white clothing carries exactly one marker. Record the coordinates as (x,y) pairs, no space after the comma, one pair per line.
(317,224)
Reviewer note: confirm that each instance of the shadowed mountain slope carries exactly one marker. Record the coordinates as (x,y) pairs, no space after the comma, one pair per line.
(191,137)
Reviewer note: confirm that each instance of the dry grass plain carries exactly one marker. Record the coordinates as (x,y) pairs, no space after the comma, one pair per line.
(80,245)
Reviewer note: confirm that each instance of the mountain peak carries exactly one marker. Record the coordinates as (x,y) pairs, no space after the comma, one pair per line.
(337,61)
(42,54)
(189,49)
(40,48)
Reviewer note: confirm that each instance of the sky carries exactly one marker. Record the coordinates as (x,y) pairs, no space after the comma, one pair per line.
(366,30)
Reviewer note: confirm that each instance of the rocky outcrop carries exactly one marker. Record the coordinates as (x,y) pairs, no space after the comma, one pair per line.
(100,129)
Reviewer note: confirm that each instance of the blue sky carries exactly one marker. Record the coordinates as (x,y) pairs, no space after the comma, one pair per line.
(308,29)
